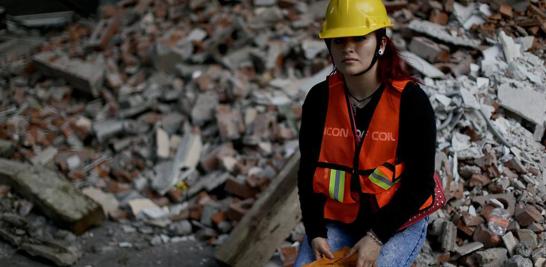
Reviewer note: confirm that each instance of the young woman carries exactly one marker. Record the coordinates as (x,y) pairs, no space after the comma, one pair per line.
(367,143)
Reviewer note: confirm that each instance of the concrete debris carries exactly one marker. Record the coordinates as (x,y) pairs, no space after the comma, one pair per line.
(147,208)
(82,75)
(422,65)
(491,257)
(525,102)
(186,159)
(449,234)
(510,242)
(527,237)
(54,195)
(51,19)
(203,110)
(104,31)
(441,33)
(6,148)
(428,50)
(313,48)
(190,108)
(21,233)
(108,202)
(468,248)
(162,143)
(511,49)
(45,156)
(518,261)
(15,48)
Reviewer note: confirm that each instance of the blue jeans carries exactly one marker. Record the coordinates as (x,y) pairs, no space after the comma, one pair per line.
(400,250)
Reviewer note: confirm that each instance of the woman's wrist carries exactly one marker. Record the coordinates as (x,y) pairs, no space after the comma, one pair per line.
(374,237)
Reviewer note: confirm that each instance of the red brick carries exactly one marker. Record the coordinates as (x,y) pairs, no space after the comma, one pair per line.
(507,199)
(288,256)
(287,3)
(176,195)
(117,187)
(471,220)
(443,257)
(218,217)
(257,182)
(104,31)
(448,5)
(4,190)
(439,17)
(486,211)
(479,180)
(107,11)
(195,212)
(238,209)
(203,198)
(118,215)
(239,188)
(76,175)
(527,215)
(506,10)
(210,161)
(485,236)
(467,230)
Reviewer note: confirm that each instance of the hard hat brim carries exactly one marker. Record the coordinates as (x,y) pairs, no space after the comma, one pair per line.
(350,32)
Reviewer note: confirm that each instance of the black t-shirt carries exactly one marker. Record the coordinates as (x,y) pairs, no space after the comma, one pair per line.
(416,149)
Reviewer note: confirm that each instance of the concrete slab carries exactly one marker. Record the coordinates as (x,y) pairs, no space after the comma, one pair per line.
(53,194)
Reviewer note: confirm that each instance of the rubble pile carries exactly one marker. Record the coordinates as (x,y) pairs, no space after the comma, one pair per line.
(175,115)
(487,89)
(172,115)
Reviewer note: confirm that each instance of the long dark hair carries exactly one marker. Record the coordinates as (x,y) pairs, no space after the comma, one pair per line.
(391,66)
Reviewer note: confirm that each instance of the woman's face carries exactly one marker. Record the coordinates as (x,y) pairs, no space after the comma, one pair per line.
(352,55)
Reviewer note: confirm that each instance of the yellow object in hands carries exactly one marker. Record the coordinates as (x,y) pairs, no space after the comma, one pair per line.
(337,261)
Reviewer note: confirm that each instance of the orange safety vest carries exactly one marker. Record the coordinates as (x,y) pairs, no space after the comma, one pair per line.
(375,164)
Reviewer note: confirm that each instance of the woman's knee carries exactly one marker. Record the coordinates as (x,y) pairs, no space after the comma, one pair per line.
(404,247)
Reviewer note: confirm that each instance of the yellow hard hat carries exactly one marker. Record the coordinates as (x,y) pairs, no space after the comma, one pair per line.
(346,18)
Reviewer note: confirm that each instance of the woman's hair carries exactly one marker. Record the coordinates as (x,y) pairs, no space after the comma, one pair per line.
(390,65)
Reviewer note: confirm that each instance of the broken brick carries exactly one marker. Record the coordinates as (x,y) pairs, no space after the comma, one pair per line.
(439,17)
(239,188)
(486,237)
(238,209)
(479,180)
(527,215)
(506,10)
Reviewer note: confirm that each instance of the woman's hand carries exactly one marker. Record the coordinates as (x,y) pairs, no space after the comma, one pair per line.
(321,248)
(367,250)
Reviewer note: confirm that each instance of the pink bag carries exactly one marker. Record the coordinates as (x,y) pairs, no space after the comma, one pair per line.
(439,200)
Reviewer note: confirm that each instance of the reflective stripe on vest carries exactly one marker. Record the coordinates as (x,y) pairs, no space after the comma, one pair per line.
(337,185)
(380,176)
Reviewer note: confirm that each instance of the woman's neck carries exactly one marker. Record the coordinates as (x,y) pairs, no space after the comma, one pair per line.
(363,85)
